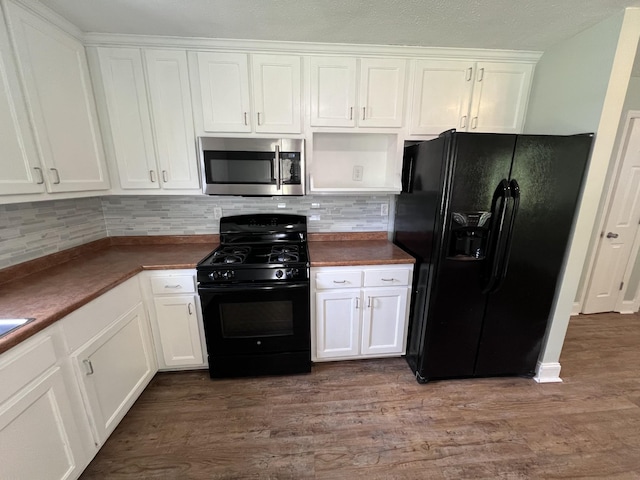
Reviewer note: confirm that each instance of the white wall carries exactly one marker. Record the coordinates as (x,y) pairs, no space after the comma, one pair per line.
(580,86)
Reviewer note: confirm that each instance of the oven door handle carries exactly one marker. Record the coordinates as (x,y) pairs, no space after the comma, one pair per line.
(249,287)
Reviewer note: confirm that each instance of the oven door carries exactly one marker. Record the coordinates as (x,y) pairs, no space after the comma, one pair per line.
(256,318)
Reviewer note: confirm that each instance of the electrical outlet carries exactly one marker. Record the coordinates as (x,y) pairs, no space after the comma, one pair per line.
(384,209)
(314,218)
(217,213)
(315,205)
(282,205)
(357,173)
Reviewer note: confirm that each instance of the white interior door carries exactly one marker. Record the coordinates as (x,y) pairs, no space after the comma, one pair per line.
(617,238)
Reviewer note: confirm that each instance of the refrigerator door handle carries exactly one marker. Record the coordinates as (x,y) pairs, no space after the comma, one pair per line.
(500,195)
(514,192)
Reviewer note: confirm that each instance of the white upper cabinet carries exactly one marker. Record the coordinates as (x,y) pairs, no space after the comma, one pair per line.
(469,96)
(172,118)
(333,91)
(380,92)
(441,95)
(21,170)
(150,117)
(500,95)
(268,101)
(129,116)
(59,96)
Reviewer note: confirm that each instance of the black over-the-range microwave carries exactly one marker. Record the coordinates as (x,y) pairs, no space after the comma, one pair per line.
(252,166)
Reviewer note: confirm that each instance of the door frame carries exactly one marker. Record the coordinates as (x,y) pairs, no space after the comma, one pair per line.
(621,306)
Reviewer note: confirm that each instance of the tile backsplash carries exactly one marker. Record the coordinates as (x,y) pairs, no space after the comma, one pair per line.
(187,215)
(34,229)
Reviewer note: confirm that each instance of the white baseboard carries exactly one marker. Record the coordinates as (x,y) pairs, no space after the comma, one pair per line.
(548,373)
(576,308)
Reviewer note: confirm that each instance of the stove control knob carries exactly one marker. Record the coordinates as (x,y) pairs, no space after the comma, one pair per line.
(279,273)
(213,275)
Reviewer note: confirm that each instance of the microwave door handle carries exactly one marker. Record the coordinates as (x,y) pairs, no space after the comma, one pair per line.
(277,168)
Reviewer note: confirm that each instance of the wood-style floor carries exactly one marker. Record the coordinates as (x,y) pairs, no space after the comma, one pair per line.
(371,420)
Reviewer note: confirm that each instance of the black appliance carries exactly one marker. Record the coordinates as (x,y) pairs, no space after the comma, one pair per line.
(488,218)
(254,292)
(252,166)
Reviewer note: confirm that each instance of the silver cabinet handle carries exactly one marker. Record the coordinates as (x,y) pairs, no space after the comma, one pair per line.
(469,73)
(368,302)
(39,170)
(245,118)
(89,366)
(357,303)
(612,235)
(474,122)
(278,172)
(173,286)
(463,122)
(152,176)
(55,170)
(388,279)
(364,112)
(339,281)
(480,74)
(189,309)
(165,176)
(259,118)
(350,113)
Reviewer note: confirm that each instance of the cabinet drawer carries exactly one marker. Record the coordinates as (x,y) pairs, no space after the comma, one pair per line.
(386,278)
(344,279)
(30,359)
(173,284)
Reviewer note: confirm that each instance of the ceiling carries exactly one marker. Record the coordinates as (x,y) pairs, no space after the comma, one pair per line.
(502,24)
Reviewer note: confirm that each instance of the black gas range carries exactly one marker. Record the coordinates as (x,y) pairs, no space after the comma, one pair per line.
(254,291)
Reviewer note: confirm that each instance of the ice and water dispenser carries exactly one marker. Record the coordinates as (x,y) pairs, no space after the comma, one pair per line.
(469,234)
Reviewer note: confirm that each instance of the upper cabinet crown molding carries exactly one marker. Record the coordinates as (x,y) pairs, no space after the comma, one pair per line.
(308,48)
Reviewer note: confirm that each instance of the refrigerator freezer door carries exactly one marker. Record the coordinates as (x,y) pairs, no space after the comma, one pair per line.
(456,302)
(549,171)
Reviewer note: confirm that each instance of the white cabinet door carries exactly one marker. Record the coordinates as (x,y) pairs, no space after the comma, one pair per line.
(113,370)
(59,95)
(333,91)
(384,319)
(381,92)
(172,118)
(277,84)
(38,433)
(500,95)
(21,169)
(177,320)
(129,116)
(338,323)
(224,90)
(441,96)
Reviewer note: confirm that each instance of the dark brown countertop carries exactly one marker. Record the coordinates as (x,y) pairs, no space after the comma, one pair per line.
(356,252)
(52,293)
(50,288)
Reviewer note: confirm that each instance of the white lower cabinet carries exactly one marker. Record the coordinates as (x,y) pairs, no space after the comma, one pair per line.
(40,434)
(359,312)
(176,321)
(113,369)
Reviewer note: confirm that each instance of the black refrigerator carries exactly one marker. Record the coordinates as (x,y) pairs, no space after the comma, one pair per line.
(488,218)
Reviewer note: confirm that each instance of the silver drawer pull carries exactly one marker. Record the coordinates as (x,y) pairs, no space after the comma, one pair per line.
(357,303)
(368,302)
(173,286)
(387,279)
(189,309)
(339,281)
(89,366)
